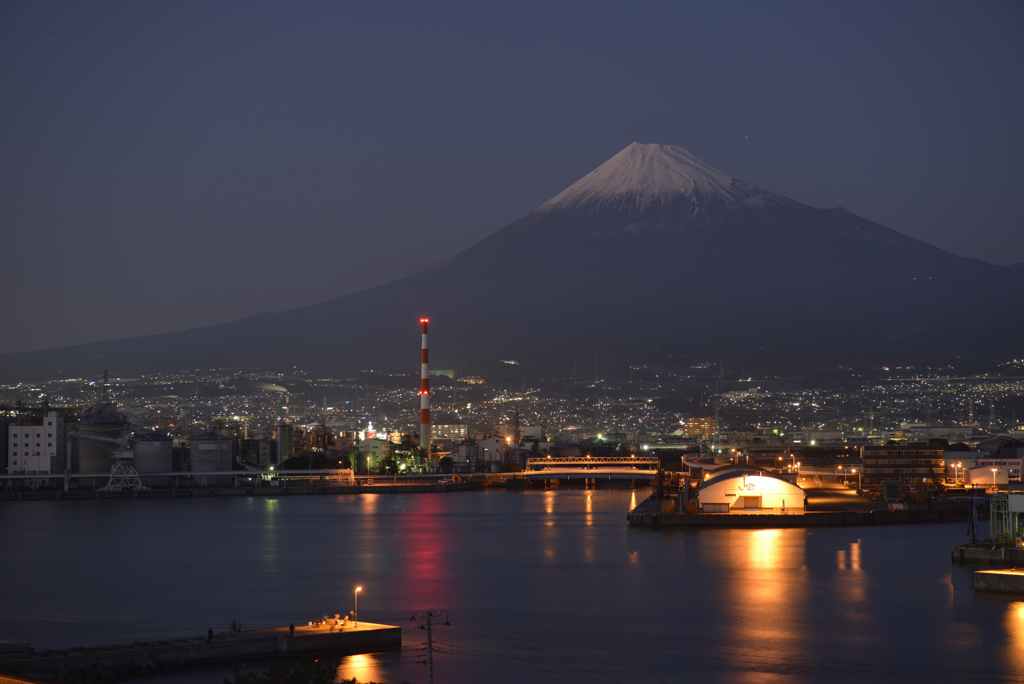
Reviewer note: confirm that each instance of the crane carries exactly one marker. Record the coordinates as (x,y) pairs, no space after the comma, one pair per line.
(122,471)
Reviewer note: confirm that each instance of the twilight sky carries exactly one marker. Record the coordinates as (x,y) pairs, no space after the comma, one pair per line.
(168,165)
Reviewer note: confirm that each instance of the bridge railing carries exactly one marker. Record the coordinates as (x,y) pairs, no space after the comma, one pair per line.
(551,462)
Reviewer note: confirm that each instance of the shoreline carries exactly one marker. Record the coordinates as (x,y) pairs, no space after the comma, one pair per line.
(649,515)
(471,483)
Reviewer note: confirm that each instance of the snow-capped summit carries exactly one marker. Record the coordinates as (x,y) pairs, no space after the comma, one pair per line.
(654,254)
(643,177)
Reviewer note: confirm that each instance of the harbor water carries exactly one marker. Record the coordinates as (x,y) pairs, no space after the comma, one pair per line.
(548,586)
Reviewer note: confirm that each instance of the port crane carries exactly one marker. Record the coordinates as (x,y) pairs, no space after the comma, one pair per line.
(122,471)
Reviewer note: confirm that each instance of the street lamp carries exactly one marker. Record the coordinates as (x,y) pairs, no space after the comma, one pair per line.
(355,612)
(956,477)
(858,479)
(994,485)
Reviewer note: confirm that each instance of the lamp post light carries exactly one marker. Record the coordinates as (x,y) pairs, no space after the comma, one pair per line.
(858,479)
(994,485)
(956,477)
(355,611)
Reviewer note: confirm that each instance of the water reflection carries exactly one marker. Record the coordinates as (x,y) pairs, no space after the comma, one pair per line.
(851,595)
(588,535)
(1014,624)
(849,559)
(270,522)
(428,543)
(766,597)
(549,534)
(363,667)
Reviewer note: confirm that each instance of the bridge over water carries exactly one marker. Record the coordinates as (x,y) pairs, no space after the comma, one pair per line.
(591,468)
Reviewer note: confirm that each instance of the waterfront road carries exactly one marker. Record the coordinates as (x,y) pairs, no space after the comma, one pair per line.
(825,495)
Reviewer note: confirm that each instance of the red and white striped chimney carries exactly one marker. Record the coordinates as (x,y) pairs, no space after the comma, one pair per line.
(424,396)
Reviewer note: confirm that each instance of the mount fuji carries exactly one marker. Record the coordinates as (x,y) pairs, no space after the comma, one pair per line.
(652,253)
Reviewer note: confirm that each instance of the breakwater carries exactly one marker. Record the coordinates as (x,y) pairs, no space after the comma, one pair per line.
(123,661)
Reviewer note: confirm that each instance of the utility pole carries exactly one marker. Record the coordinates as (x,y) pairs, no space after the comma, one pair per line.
(428,616)
(430,651)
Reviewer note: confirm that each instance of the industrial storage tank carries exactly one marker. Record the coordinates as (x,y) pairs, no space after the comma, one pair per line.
(98,433)
(210,453)
(283,436)
(153,454)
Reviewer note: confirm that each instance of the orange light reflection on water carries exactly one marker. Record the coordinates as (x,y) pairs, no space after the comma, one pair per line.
(851,595)
(766,597)
(1014,624)
(363,667)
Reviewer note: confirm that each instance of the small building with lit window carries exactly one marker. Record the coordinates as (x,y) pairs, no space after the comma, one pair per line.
(750,491)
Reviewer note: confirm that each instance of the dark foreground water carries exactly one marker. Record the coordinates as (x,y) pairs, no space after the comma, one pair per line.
(540,586)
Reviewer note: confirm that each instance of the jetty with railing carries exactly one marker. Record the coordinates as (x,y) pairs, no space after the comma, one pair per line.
(120,661)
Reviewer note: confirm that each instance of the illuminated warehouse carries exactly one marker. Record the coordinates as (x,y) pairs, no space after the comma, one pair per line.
(750,491)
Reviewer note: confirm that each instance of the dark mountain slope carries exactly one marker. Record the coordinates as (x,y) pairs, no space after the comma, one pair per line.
(653,252)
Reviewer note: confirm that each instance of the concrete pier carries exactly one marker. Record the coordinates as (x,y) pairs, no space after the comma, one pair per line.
(646,515)
(1000,581)
(990,554)
(227,647)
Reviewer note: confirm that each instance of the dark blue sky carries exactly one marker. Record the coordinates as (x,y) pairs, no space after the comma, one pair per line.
(171,165)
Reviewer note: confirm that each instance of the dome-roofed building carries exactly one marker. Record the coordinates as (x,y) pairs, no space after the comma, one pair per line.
(750,490)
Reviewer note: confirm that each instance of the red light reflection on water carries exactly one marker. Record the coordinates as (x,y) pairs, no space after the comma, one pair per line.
(426,543)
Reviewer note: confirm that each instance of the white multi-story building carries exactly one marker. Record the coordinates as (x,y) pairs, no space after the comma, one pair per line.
(37,449)
(453,432)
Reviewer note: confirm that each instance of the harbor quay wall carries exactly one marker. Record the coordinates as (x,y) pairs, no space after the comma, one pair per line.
(988,554)
(999,581)
(230,647)
(809,519)
(204,492)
